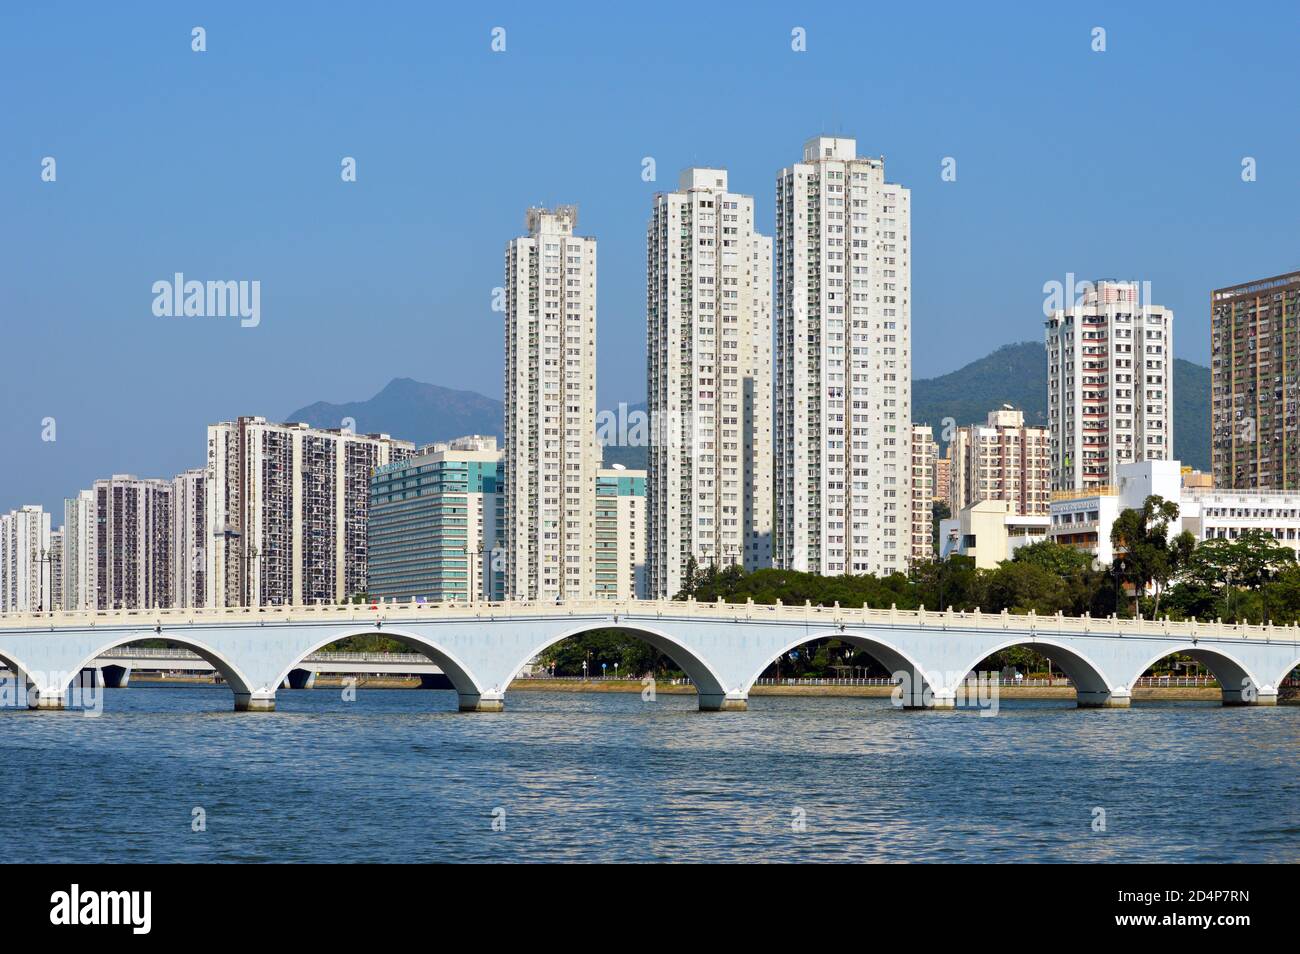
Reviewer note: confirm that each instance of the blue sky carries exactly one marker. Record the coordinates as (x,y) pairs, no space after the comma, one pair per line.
(225,165)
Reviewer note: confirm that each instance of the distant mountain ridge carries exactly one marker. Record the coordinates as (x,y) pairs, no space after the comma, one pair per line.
(411,410)
(1014,374)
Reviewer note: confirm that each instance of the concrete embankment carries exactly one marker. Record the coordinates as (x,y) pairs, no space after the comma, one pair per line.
(865,692)
(1200,694)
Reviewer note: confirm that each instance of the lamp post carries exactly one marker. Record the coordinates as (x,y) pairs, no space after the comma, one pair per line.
(43,587)
(244,555)
(1117,571)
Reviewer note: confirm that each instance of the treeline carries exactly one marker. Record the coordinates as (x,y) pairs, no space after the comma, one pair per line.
(1044,577)
(1252,579)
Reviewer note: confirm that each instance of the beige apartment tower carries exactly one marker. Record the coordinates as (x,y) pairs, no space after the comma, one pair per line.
(1254,376)
(551,454)
(708,381)
(843,365)
(1002,459)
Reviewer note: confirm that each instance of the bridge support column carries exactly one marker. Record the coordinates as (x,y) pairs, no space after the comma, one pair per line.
(1119,698)
(254,701)
(482,702)
(943,699)
(45,700)
(733,701)
(1250,696)
(913,692)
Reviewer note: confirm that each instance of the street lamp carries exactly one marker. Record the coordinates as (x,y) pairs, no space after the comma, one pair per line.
(46,558)
(249,552)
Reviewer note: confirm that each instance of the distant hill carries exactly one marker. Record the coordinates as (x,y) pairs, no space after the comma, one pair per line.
(1192,414)
(1016,374)
(424,413)
(412,411)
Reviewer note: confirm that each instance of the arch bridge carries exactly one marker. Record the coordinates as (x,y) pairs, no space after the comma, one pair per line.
(722,647)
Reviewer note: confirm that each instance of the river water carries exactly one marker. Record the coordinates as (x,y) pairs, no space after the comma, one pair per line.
(398,775)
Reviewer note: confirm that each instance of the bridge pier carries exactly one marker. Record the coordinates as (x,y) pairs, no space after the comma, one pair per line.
(1103,699)
(1249,696)
(254,701)
(914,692)
(724,702)
(482,702)
(45,700)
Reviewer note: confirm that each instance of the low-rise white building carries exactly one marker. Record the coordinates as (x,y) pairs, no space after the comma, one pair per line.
(1084,519)
(1227,514)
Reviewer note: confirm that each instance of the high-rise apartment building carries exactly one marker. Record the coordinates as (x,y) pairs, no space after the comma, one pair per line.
(1254,377)
(1109,384)
(621,534)
(1001,460)
(551,454)
(287,508)
(436,524)
(55,570)
(943,476)
(79,587)
(709,381)
(843,367)
(131,543)
(189,539)
(25,561)
(924,454)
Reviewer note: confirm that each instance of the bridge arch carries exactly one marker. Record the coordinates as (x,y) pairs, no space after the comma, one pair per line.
(20,670)
(887,654)
(1281,676)
(1091,683)
(233,675)
(710,686)
(464,682)
(1236,681)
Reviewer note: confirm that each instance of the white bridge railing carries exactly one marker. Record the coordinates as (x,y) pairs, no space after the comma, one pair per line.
(149,652)
(368,613)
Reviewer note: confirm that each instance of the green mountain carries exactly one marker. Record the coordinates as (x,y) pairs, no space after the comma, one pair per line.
(1016,374)
(1192,414)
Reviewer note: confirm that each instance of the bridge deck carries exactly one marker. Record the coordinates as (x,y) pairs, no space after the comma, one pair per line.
(664,609)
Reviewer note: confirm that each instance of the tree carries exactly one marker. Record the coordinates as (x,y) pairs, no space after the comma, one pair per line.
(1054,557)
(1221,567)
(1021,586)
(1149,557)
(952,582)
(939,512)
